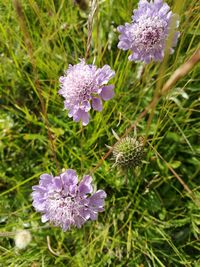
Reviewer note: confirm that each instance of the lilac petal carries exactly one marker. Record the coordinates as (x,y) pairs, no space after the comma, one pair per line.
(46,178)
(38,188)
(104,75)
(58,183)
(97,202)
(72,109)
(83,200)
(97,104)
(38,197)
(72,190)
(164,9)
(124,45)
(76,115)
(44,218)
(85,118)
(93,215)
(36,194)
(39,206)
(159,55)
(101,194)
(120,28)
(146,59)
(85,106)
(70,181)
(97,199)
(79,221)
(72,173)
(69,177)
(84,213)
(81,115)
(134,57)
(85,186)
(66,226)
(61,79)
(107,92)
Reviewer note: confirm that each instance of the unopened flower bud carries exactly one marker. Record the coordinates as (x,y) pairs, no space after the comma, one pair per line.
(129,152)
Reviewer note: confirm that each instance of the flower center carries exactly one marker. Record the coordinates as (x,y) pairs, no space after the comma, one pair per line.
(150,36)
(85,90)
(80,84)
(61,209)
(149,33)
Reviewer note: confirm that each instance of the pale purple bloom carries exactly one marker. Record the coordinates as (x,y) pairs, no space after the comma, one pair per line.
(84,86)
(64,202)
(146,35)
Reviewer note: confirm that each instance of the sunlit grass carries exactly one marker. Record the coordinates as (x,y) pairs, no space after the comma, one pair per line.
(150,220)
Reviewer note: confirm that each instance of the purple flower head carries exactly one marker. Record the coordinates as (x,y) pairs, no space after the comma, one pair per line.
(146,35)
(85,85)
(64,202)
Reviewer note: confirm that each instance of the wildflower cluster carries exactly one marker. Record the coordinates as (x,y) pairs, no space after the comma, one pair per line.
(83,84)
(147,34)
(63,200)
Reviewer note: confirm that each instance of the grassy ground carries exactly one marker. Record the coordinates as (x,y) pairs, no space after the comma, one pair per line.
(149,221)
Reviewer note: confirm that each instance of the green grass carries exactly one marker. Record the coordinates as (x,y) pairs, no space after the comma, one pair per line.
(149,221)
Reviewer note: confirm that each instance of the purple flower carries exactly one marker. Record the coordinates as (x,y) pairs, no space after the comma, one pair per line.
(147,34)
(85,85)
(64,202)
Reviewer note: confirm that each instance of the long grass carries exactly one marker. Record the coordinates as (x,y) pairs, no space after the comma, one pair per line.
(149,220)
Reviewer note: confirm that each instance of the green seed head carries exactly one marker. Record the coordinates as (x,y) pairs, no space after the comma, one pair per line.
(129,152)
